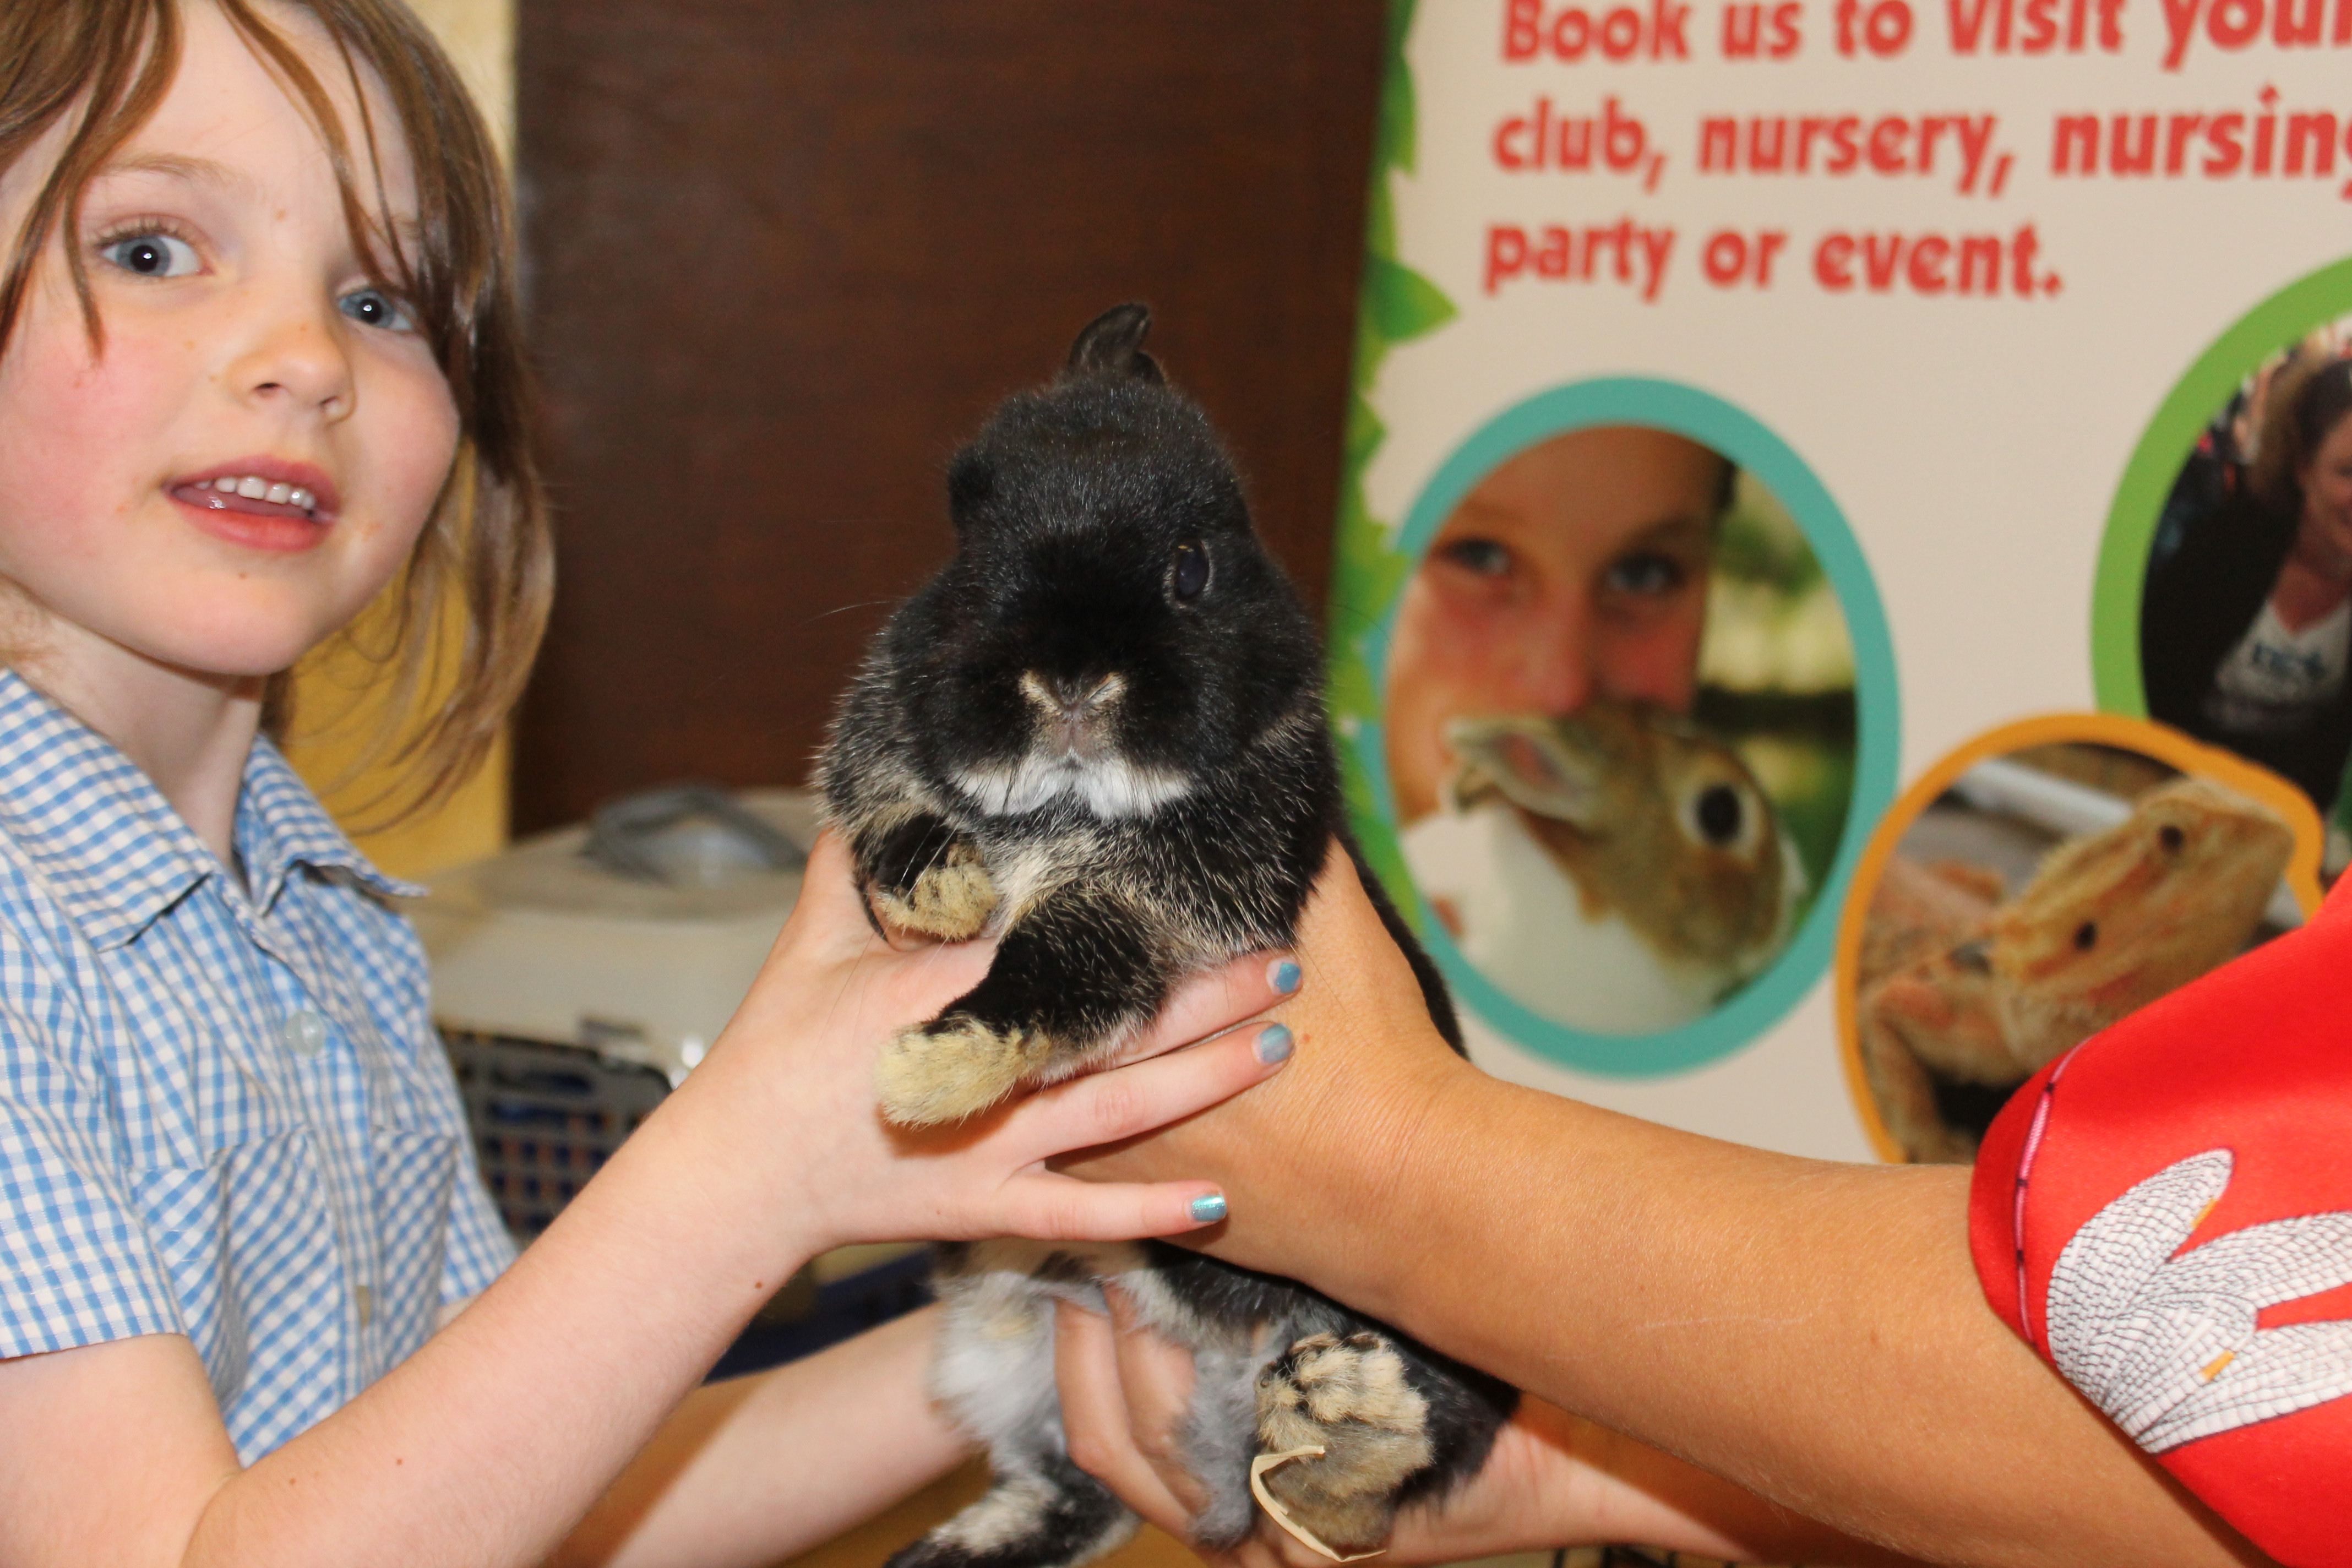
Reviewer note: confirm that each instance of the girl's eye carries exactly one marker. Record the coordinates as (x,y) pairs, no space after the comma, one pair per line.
(152,255)
(1645,573)
(1483,557)
(373,307)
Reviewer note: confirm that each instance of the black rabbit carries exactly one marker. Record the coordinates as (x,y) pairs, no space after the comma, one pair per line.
(1099,732)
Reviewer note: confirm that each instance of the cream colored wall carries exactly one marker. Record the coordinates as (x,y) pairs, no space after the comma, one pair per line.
(339,704)
(480,36)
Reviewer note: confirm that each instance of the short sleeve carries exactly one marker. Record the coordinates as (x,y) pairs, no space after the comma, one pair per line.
(77,1264)
(479,1246)
(2165,1214)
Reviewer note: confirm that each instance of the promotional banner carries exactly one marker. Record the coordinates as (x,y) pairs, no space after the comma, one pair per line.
(1845,581)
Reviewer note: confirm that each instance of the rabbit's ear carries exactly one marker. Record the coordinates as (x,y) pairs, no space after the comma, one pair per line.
(1112,344)
(1526,762)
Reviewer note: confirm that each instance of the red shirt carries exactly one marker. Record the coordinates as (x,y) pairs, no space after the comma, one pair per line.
(2165,1214)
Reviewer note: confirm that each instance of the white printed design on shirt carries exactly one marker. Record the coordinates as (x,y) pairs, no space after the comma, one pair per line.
(2273,679)
(2168,1346)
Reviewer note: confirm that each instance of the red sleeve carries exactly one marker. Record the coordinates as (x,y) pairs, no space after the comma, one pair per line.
(2165,1214)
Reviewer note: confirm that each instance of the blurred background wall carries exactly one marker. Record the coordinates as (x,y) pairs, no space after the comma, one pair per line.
(781,258)
(784,255)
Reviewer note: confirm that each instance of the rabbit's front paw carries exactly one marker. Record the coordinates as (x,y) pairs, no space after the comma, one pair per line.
(953,1065)
(1349,1397)
(927,879)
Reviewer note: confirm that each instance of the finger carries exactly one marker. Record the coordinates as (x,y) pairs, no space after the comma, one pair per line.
(1097,1422)
(832,907)
(1216,1001)
(1106,1107)
(1053,1207)
(829,880)
(1158,1377)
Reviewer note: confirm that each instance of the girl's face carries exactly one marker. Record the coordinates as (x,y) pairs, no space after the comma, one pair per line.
(246,348)
(2326,481)
(1576,570)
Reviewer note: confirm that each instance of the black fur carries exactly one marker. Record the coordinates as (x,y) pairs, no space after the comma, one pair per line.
(1125,770)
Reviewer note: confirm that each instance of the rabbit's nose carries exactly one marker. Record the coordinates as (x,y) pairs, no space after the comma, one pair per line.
(1071,695)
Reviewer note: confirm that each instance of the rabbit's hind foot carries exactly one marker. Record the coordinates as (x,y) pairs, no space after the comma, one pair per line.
(927,879)
(1056,1519)
(1351,1398)
(954,1066)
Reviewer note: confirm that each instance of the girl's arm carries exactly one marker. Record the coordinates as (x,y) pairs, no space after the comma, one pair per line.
(1810,1331)
(492,1441)
(757,1469)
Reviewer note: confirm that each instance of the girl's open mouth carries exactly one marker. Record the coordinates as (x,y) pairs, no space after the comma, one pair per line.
(261,507)
(249,494)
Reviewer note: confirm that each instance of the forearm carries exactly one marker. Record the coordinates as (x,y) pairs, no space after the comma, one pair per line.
(760,1468)
(1812,1331)
(1555,1479)
(491,1441)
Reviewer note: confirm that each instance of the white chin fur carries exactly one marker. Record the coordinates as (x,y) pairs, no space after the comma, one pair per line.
(1109,786)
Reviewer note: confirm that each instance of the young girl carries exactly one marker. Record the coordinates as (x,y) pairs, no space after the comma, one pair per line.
(260,365)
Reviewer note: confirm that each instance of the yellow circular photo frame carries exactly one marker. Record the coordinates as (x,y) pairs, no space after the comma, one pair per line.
(2155,741)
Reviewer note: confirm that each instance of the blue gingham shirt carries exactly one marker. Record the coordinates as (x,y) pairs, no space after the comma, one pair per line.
(224,1112)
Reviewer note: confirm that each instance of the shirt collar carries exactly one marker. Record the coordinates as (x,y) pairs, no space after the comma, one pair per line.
(109,848)
(280,826)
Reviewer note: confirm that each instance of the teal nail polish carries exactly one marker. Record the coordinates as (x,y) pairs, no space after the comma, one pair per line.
(1274,1044)
(1282,975)
(1209,1209)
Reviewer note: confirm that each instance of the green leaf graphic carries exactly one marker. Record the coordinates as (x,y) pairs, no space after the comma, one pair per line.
(1395,304)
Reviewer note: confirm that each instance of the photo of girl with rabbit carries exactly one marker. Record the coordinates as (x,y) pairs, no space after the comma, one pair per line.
(1620,727)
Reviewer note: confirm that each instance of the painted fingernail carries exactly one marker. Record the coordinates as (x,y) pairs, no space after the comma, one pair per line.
(1209,1209)
(1274,1044)
(1282,975)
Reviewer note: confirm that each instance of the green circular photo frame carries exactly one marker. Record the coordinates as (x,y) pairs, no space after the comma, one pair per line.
(1707,419)
(2155,463)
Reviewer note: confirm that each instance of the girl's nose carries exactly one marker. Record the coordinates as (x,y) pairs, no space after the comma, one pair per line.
(1554,671)
(295,356)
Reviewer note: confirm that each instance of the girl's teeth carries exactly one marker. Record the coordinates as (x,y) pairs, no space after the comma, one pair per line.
(253,489)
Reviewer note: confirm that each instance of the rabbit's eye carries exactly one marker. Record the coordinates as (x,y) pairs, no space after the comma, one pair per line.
(1188,573)
(1719,813)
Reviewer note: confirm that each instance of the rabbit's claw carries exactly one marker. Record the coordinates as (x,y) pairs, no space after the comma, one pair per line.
(925,877)
(1350,1397)
(954,1066)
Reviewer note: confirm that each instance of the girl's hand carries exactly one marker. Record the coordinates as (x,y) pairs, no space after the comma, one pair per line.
(801,1054)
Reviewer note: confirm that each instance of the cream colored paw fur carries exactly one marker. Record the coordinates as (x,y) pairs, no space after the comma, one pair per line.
(1349,1398)
(931,1073)
(950,900)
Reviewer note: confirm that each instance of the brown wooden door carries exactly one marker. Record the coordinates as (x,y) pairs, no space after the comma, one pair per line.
(783,256)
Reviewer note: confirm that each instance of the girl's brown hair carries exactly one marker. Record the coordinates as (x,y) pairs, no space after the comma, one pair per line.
(104,65)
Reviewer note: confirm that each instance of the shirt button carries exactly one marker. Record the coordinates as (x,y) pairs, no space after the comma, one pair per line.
(305,1033)
(365,1300)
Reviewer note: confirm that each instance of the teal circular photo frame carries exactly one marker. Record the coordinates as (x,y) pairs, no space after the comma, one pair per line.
(1702,417)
